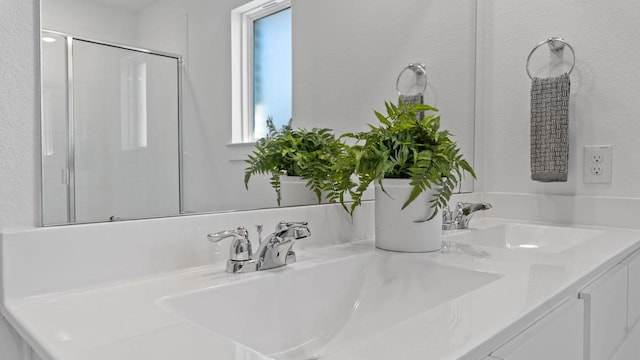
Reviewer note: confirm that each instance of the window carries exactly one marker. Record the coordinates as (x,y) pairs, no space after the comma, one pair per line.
(261,67)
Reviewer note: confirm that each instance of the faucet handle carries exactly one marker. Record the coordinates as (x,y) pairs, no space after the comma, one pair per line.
(447,216)
(221,235)
(301,232)
(284,225)
(297,229)
(240,249)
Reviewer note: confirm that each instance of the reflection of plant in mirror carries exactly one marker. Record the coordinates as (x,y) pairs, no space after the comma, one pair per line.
(309,154)
(402,146)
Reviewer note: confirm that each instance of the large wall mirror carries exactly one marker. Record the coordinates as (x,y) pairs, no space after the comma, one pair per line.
(137,114)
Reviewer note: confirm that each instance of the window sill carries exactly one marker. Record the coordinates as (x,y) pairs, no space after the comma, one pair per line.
(239,151)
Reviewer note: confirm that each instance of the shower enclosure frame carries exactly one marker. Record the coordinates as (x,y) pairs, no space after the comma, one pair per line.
(70,123)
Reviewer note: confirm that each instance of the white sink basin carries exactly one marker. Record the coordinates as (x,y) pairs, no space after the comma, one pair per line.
(526,237)
(308,312)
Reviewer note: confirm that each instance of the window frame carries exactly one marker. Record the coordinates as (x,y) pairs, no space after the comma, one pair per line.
(242,35)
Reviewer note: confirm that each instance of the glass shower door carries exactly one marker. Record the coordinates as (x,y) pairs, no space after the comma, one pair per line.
(125,133)
(110,131)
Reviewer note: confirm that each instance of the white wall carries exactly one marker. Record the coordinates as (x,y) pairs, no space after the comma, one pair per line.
(19,116)
(347,57)
(90,20)
(19,130)
(605,88)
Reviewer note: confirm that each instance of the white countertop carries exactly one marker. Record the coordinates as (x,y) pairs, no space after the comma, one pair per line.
(125,321)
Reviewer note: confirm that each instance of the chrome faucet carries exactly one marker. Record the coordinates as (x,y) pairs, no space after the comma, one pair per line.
(460,217)
(274,251)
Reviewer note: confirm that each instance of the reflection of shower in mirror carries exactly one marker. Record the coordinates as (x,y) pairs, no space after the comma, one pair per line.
(111,128)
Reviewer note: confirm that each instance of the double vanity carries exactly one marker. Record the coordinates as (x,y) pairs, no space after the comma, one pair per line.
(501,289)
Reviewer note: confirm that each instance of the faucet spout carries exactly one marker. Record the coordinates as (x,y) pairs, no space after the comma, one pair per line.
(467,210)
(275,250)
(460,217)
(470,208)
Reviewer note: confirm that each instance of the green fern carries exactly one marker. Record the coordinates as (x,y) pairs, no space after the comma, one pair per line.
(309,154)
(401,146)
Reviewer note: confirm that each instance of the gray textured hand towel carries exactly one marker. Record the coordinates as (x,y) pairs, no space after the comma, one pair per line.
(550,128)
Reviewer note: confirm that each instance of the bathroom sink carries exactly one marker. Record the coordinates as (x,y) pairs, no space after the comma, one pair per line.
(301,312)
(526,237)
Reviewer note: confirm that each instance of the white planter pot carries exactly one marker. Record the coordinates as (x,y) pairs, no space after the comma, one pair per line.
(397,229)
(294,192)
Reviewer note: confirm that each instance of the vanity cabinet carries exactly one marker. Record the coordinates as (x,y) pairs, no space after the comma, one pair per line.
(629,348)
(558,335)
(634,291)
(35,356)
(605,302)
(612,309)
(10,342)
(12,346)
(602,323)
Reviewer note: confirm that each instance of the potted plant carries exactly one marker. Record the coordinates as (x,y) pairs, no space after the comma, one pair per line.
(308,154)
(415,168)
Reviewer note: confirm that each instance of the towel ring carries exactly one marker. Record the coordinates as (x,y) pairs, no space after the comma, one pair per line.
(419,84)
(556,45)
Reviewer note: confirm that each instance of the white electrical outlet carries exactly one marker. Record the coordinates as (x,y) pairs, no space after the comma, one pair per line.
(598,164)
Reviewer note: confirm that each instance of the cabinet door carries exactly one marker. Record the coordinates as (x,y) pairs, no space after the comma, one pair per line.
(557,335)
(630,348)
(634,291)
(10,342)
(605,310)
(35,356)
